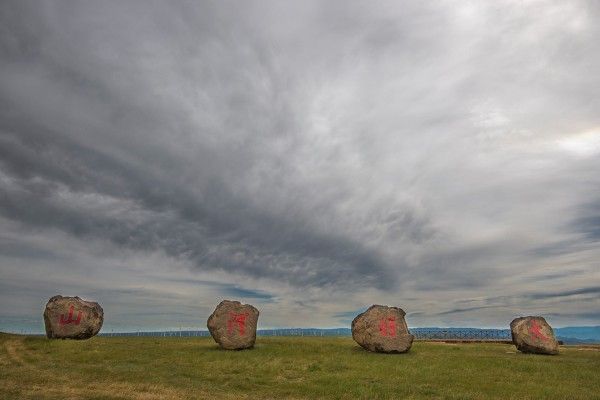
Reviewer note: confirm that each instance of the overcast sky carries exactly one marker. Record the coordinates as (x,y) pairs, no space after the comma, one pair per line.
(311,158)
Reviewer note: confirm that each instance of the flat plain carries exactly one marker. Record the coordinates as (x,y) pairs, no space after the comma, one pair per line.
(287,368)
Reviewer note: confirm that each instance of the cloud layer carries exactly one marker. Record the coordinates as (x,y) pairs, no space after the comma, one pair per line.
(314,158)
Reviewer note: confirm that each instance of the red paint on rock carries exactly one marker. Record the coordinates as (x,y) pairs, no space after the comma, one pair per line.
(387,327)
(534,330)
(69,319)
(240,320)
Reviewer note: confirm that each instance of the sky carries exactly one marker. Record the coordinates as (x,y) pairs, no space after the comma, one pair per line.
(311,158)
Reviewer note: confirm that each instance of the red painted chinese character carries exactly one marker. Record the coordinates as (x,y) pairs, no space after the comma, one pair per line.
(70,319)
(387,327)
(534,330)
(239,319)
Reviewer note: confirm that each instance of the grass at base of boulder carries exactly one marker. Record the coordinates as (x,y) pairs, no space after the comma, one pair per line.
(287,367)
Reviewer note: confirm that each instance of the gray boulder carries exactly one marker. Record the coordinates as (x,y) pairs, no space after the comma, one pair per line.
(233,325)
(382,329)
(533,335)
(72,318)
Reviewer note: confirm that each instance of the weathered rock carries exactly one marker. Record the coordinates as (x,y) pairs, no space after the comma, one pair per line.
(382,329)
(533,335)
(72,318)
(233,325)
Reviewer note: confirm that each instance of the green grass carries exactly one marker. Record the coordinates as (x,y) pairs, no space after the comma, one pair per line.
(282,368)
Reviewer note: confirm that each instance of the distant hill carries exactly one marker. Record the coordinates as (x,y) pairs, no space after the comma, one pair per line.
(579,332)
(569,335)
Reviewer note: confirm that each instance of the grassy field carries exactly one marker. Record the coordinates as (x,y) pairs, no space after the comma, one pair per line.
(287,368)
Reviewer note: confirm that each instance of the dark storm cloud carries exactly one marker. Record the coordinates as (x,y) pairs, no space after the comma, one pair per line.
(180,224)
(312,153)
(191,219)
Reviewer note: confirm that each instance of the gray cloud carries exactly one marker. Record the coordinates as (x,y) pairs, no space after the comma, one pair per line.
(581,291)
(320,156)
(589,222)
(158,214)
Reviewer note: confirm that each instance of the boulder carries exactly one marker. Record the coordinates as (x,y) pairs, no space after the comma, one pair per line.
(382,329)
(72,318)
(233,325)
(533,335)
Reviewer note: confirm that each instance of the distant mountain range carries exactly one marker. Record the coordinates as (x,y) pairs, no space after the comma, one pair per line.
(578,334)
(569,335)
